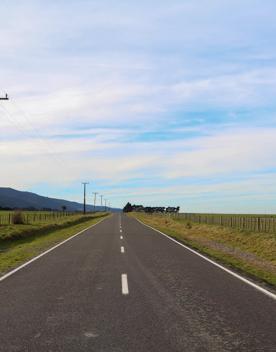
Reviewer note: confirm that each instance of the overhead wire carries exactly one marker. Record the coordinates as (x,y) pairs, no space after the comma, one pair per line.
(29,131)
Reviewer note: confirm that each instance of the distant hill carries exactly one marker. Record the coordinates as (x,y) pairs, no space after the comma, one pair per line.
(13,199)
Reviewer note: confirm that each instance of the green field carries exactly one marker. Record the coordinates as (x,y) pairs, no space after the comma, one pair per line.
(252,253)
(19,243)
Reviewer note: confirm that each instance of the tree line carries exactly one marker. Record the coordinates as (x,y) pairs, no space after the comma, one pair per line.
(140,208)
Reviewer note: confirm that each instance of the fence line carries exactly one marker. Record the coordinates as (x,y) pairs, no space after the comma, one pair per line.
(33,218)
(244,222)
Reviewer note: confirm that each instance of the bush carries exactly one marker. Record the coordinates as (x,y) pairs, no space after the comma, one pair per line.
(188,225)
(18,218)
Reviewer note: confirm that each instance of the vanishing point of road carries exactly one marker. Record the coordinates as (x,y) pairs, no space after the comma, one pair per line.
(121,286)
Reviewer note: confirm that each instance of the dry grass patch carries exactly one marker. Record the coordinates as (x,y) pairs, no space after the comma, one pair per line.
(20,243)
(252,253)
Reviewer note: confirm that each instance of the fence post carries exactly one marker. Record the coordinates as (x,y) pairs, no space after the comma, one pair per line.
(259,224)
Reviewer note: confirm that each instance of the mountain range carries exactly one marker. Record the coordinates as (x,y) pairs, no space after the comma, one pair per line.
(14,199)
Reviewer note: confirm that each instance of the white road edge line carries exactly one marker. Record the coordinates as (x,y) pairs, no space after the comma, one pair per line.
(248,282)
(2,278)
(124,285)
(122,249)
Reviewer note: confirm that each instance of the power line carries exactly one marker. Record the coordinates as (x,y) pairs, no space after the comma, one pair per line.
(25,131)
(35,133)
(25,128)
(13,122)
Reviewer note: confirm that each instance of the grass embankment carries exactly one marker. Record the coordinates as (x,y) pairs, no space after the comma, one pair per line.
(251,253)
(19,243)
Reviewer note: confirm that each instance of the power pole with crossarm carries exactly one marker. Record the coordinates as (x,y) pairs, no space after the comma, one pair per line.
(5,97)
(95,199)
(105,201)
(101,202)
(84,196)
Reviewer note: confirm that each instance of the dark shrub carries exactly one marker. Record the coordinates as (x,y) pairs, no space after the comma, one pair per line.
(18,218)
(188,225)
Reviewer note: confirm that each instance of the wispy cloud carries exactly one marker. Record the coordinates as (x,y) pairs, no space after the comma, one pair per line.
(151,94)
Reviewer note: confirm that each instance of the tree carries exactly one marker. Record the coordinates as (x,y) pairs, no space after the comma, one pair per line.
(128,208)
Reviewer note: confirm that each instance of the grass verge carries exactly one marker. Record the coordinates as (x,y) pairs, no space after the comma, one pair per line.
(249,253)
(26,244)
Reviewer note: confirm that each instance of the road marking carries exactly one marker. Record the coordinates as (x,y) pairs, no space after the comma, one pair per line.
(2,278)
(121,237)
(122,249)
(124,285)
(248,282)
(121,230)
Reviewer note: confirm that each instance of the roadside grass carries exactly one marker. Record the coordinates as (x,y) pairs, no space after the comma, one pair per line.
(11,231)
(5,212)
(34,216)
(250,253)
(238,215)
(19,243)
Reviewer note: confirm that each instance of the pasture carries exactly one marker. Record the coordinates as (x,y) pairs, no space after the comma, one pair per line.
(253,223)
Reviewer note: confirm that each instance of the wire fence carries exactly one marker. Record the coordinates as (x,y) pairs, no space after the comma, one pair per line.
(254,223)
(6,218)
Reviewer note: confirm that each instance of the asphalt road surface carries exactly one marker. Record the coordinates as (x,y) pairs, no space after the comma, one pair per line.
(128,288)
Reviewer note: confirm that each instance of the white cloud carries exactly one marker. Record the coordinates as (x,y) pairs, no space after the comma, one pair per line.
(250,194)
(245,89)
(121,101)
(109,157)
(93,85)
(227,153)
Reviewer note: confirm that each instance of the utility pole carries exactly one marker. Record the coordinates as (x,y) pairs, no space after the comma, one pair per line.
(95,199)
(84,196)
(5,97)
(101,202)
(105,204)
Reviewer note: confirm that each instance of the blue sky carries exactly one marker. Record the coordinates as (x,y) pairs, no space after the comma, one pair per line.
(153,102)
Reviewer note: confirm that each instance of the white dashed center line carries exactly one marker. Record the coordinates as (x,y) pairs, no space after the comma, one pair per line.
(122,249)
(121,237)
(124,285)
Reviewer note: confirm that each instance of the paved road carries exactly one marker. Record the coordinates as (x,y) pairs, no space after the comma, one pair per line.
(76,299)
